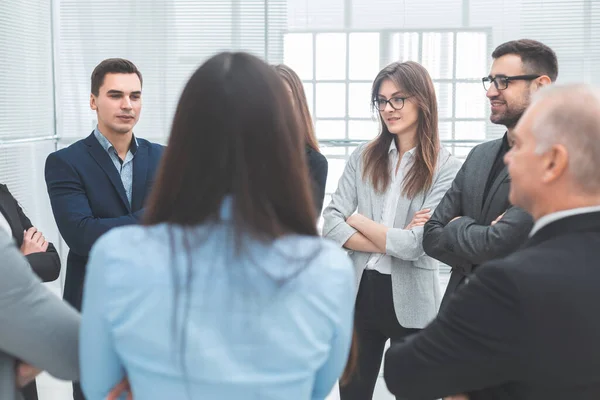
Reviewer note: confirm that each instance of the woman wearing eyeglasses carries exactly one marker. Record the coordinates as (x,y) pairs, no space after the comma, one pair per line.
(387,192)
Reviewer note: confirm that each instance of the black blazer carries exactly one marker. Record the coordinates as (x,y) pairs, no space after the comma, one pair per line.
(88,199)
(318,167)
(524,327)
(471,240)
(47,264)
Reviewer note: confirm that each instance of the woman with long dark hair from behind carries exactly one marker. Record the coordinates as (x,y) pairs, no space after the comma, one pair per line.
(227,292)
(317,163)
(393,183)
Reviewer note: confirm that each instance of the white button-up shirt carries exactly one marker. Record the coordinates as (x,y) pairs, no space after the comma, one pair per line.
(383,262)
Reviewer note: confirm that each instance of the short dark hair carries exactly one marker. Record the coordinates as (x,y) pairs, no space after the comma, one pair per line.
(537,58)
(112,66)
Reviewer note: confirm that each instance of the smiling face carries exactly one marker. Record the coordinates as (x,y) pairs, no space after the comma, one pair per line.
(118,104)
(398,122)
(508,105)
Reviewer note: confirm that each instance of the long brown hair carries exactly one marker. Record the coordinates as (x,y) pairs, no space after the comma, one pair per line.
(251,152)
(415,81)
(300,103)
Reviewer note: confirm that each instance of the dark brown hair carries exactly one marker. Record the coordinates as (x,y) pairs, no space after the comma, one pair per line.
(300,103)
(537,58)
(112,66)
(253,154)
(414,80)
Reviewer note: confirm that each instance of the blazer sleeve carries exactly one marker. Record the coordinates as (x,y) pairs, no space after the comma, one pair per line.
(474,343)
(318,170)
(407,244)
(343,203)
(479,243)
(37,326)
(434,241)
(76,222)
(45,264)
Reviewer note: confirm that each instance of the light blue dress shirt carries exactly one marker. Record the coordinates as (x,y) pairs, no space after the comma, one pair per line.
(247,334)
(124,167)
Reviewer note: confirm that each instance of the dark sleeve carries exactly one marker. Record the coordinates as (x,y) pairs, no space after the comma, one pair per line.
(474,343)
(76,222)
(479,243)
(318,167)
(434,242)
(46,264)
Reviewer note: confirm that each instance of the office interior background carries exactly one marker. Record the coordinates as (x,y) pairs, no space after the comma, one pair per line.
(48,49)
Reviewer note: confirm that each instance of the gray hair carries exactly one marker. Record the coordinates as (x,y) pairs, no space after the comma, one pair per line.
(570,116)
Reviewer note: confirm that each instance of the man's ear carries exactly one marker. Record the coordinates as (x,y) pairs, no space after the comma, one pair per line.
(93,105)
(542,81)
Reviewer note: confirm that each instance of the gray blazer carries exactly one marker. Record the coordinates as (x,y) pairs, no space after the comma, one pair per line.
(470,240)
(415,282)
(35,325)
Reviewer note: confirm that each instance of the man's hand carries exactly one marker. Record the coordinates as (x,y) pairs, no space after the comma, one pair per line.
(25,374)
(419,219)
(457,397)
(33,242)
(494,222)
(122,387)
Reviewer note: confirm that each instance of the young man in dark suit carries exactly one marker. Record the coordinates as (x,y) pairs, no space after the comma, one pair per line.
(102,181)
(475,222)
(527,326)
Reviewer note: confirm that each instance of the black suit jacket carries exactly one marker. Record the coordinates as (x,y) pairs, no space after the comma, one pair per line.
(471,240)
(317,166)
(524,327)
(88,199)
(46,264)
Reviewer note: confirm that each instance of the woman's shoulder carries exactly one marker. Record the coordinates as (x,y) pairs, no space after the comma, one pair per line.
(326,258)
(315,158)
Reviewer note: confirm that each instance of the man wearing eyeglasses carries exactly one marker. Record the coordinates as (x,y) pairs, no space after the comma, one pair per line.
(475,221)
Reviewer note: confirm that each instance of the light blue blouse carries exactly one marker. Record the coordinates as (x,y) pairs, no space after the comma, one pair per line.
(274,322)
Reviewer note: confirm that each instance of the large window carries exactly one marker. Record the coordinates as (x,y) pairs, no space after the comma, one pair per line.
(338,68)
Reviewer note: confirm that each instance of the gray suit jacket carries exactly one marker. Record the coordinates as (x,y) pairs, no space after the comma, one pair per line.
(415,283)
(36,326)
(470,240)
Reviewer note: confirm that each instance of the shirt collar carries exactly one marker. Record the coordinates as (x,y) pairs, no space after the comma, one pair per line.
(393,148)
(548,219)
(106,145)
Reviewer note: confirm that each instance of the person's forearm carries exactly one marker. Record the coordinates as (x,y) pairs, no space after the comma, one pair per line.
(359,242)
(374,232)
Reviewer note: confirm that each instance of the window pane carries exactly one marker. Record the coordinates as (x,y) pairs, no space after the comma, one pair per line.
(437,54)
(331,56)
(445,129)
(470,130)
(366,130)
(443,92)
(364,55)
(470,100)
(331,100)
(359,100)
(330,129)
(472,53)
(298,53)
(333,151)
(405,47)
(335,170)
(309,91)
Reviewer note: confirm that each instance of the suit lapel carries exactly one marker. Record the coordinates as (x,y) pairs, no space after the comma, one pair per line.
(493,189)
(486,162)
(140,171)
(103,159)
